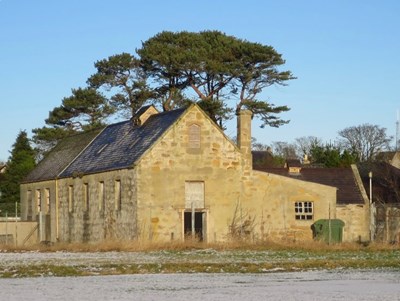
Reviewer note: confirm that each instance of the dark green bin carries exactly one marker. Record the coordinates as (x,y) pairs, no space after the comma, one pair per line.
(330,231)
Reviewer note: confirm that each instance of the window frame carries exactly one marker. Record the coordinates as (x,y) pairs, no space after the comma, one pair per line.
(304,210)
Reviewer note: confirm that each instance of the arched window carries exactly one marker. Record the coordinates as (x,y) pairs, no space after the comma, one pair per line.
(194,136)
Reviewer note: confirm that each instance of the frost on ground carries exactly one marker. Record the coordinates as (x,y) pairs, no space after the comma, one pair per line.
(271,284)
(26,264)
(312,285)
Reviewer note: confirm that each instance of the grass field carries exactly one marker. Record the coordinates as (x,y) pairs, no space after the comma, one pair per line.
(122,258)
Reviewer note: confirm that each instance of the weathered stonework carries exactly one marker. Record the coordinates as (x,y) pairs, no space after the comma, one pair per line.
(192,168)
(356,219)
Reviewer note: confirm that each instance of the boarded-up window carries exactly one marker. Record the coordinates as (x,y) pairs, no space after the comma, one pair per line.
(70,198)
(118,197)
(38,200)
(194,194)
(86,196)
(29,204)
(194,136)
(47,196)
(102,196)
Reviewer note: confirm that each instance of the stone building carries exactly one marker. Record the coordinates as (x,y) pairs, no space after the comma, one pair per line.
(382,181)
(173,175)
(352,203)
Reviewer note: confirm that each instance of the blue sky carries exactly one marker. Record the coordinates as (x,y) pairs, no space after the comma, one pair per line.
(345,55)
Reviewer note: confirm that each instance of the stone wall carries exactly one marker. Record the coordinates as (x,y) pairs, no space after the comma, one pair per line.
(238,200)
(18,233)
(270,200)
(98,207)
(356,222)
(193,168)
(38,204)
(172,162)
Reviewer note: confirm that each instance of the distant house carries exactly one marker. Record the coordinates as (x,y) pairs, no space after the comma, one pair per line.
(392,158)
(174,176)
(382,180)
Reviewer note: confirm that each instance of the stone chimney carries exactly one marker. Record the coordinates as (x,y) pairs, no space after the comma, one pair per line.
(244,136)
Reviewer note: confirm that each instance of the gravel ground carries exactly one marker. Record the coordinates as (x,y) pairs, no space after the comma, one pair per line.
(311,285)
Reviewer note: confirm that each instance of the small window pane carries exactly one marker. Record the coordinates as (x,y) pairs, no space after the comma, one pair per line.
(303,210)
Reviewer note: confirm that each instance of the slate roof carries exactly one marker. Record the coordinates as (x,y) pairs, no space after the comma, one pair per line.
(342,178)
(60,156)
(385,156)
(385,181)
(120,145)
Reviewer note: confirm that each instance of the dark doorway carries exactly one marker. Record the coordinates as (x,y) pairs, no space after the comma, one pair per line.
(198,225)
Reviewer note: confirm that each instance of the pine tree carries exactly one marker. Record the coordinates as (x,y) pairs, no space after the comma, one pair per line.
(20,163)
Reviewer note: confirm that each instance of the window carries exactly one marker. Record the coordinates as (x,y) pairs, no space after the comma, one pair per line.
(29,201)
(86,196)
(304,210)
(118,197)
(70,198)
(47,196)
(194,195)
(194,136)
(38,200)
(102,197)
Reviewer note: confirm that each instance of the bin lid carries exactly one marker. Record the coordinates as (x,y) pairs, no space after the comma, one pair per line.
(333,222)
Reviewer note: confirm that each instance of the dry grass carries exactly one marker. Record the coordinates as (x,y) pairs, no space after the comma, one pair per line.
(136,246)
(194,257)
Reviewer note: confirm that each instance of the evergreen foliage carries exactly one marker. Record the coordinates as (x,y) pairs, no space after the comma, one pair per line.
(20,163)
(217,70)
(332,156)
(222,73)
(123,79)
(84,110)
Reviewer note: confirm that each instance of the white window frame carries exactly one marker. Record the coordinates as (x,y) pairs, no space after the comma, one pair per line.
(304,210)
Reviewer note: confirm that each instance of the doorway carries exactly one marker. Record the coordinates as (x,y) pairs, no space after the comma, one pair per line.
(198,221)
